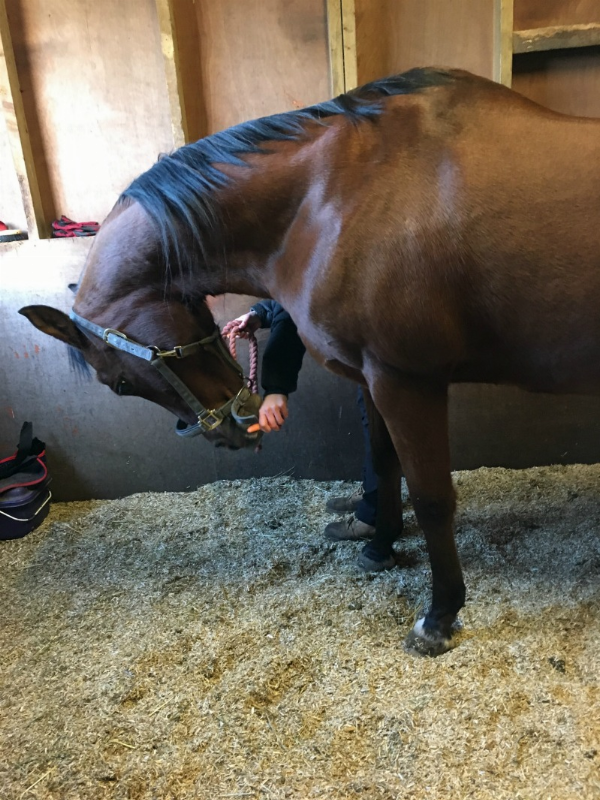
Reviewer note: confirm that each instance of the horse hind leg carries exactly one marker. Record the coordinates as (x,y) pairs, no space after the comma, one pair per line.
(378,554)
(416,415)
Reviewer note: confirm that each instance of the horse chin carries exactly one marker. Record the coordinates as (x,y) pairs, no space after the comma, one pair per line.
(232,436)
(228,434)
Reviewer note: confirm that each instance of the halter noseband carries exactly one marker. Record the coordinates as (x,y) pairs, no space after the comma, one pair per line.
(208,419)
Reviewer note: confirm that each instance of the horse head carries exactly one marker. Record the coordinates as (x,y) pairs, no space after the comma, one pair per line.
(147,340)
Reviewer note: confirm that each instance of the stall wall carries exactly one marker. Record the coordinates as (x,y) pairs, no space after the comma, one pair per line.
(396,35)
(11,204)
(565,80)
(99,109)
(93,85)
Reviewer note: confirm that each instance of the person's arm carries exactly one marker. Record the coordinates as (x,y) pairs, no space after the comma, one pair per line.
(282,359)
(281,362)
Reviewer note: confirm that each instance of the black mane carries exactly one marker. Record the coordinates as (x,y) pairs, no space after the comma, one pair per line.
(177,191)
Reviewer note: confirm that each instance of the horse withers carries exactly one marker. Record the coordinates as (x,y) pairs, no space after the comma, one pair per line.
(428,228)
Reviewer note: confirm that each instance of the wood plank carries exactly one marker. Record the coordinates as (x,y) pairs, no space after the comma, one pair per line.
(189,68)
(349,39)
(180,46)
(170,51)
(336,47)
(93,74)
(396,35)
(557,37)
(531,14)
(261,57)
(38,210)
(12,211)
(503,41)
(564,80)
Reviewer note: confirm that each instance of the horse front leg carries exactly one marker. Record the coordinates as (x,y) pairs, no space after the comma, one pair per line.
(416,415)
(378,554)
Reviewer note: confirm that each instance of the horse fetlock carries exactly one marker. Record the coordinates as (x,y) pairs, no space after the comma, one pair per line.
(427,640)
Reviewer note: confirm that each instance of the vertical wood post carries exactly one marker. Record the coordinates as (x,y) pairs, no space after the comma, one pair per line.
(341,26)
(503,41)
(37,211)
(170,51)
(349,37)
(336,46)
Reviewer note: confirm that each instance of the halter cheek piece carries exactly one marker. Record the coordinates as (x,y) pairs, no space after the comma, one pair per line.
(208,419)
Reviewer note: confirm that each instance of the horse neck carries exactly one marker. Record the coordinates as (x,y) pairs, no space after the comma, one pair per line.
(258,208)
(122,264)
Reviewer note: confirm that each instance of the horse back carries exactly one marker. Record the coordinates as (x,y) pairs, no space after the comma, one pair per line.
(462,238)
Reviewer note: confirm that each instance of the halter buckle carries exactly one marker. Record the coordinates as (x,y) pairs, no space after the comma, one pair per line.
(108,331)
(210,420)
(176,352)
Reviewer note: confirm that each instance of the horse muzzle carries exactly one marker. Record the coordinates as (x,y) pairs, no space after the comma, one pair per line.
(229,424)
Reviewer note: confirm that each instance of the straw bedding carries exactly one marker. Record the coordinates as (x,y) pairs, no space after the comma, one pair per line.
(214,645)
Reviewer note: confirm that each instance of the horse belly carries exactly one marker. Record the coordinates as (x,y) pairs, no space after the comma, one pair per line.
(573,370)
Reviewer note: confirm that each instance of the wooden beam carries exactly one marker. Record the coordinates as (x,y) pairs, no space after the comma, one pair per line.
(336,47)
(172,61)
(349,39)
(503,41)
(557,37)
(341,32)
(38,212)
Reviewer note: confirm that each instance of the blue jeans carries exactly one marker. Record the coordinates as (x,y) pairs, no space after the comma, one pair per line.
(367,509)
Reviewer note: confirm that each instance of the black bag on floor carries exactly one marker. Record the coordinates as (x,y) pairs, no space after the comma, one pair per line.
(24,487)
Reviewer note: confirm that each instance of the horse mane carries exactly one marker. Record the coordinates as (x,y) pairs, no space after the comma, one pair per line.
(177,192)
(78,364)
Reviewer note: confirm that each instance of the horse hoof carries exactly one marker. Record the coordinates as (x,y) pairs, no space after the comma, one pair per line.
(375,564)
(422,642)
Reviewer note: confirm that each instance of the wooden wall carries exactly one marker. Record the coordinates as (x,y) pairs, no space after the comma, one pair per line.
(93,92)
(93,85)
(395,35)
(530,14)
(12,212)
(565,79)
(261,58)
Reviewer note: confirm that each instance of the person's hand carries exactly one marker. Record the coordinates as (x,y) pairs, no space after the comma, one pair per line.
(248,324)
(273,412)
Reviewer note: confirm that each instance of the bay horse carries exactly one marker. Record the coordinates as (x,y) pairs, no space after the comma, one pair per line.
(428,228)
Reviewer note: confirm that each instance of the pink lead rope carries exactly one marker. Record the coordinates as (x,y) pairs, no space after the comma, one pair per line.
(231,331)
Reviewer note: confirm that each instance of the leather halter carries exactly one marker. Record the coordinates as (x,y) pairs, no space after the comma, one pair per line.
(208,419)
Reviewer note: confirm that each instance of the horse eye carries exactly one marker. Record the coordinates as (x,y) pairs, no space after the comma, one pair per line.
(124,388)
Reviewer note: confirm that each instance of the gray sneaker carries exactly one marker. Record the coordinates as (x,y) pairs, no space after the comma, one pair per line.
(350,528)
(345,505)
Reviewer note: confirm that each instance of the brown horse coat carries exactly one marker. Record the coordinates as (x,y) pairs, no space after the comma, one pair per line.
(432,228)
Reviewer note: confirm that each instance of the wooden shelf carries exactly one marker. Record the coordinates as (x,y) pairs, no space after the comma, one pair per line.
(558,37)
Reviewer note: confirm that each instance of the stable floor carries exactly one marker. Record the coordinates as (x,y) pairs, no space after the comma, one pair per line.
(214,645)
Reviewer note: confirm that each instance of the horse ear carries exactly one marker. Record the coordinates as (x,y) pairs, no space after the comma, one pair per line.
(55,323)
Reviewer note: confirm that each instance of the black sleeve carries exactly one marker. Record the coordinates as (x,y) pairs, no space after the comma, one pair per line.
(266,310)
(284,352)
